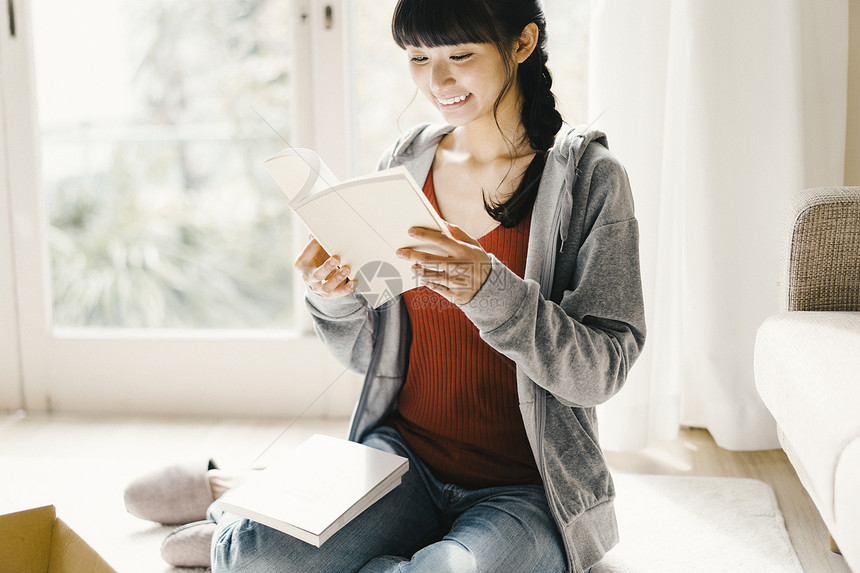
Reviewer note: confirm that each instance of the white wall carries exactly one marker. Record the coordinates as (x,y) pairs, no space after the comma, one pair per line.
(852,144)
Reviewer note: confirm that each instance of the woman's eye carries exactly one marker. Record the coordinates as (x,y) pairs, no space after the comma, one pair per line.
(461,57)
(418,59)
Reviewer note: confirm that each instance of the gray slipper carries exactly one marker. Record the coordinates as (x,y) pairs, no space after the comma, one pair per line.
(189,545)
(176,494)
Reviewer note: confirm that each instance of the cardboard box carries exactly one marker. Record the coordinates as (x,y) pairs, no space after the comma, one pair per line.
(37,541)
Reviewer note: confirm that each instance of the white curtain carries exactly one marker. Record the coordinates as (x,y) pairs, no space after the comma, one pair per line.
(720,110)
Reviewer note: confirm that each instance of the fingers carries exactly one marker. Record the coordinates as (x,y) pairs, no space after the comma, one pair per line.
(322,273)
(457,276)
(332,281)
(311,257)
(454,275)
(456,248)
(461,235)
(455,234)
(422,257)
(314,263)
(326,270)
(431,235)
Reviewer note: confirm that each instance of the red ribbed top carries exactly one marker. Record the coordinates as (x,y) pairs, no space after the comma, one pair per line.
(458,409)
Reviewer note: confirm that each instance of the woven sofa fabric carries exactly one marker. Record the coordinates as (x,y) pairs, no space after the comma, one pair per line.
(806,371)
(823,264)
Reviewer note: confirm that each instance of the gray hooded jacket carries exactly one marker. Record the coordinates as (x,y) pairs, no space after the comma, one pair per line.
(573,325)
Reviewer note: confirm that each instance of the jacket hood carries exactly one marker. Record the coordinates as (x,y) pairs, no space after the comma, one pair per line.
(563,161)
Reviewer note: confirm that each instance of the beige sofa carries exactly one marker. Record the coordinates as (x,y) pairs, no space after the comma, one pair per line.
(807,358)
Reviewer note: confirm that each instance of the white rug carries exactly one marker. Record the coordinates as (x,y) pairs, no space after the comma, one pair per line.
(672,524)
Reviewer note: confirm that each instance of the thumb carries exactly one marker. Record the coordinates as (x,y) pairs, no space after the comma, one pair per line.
(460,235)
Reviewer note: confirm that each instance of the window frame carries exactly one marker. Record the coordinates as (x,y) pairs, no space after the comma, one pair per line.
(169,372)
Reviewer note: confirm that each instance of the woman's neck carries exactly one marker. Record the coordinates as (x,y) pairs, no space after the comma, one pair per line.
(485,141)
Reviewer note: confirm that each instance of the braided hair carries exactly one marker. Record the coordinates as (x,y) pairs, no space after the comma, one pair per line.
(435,23)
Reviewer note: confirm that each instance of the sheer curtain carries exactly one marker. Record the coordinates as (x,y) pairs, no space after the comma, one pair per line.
(720,111)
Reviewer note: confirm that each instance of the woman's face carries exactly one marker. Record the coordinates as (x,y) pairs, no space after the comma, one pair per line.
(463,81)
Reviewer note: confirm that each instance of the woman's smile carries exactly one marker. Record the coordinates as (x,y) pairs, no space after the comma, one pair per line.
(456,101)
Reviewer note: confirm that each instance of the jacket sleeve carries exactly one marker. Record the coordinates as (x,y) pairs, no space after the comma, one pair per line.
(580,347)
(345,327)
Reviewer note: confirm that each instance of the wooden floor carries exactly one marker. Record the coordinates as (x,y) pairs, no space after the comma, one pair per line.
(58,447)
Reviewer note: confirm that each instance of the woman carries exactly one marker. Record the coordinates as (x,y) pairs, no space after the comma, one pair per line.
(485,377)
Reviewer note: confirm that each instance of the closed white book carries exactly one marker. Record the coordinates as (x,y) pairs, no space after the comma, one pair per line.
(363,220)
(317,488)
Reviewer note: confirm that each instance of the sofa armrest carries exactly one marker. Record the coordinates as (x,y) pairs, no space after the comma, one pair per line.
(821,266)
(807,371)
(847,501)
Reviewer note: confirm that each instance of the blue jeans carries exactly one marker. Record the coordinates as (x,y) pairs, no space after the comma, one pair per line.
(422,526)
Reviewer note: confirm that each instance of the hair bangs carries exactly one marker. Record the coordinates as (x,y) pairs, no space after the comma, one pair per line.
(434,23)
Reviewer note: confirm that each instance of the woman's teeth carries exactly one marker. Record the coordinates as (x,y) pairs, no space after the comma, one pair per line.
(453,100)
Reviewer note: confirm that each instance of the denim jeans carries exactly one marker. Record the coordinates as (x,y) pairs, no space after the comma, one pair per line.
(422,526)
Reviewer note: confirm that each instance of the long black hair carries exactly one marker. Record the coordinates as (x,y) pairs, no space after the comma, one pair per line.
(435,23)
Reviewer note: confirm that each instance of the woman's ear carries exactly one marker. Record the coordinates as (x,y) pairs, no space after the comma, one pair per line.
(526,43)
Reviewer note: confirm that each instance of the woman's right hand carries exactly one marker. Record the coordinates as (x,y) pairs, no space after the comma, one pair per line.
(322,273)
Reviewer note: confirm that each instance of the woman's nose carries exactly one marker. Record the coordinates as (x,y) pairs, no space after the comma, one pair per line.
(440,76)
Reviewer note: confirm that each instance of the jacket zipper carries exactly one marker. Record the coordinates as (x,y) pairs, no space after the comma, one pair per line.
(376,345)
(547,277)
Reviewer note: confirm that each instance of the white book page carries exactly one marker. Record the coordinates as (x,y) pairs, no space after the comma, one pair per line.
(301,175)
(379,211)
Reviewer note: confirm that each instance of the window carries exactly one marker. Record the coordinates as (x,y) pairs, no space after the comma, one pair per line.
(150,145)
(144,152)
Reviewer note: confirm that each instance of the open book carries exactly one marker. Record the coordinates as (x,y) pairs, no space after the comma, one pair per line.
(317,488)
(363,220)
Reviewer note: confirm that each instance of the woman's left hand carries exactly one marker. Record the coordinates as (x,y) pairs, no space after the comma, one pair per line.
(457,276)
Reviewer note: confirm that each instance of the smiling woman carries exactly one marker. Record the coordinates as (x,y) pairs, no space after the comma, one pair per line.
(491,395)
(447,74)
(381,115)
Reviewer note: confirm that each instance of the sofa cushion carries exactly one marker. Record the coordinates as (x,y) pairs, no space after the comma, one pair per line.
(807,371)
(847,501)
